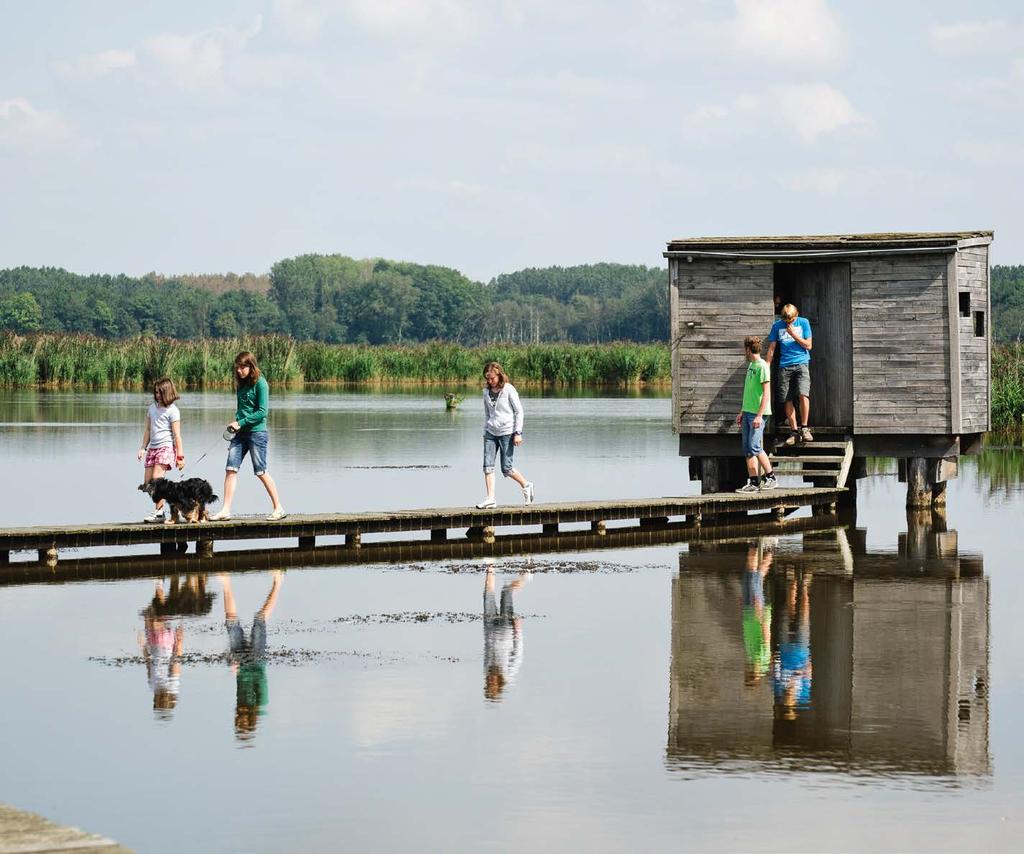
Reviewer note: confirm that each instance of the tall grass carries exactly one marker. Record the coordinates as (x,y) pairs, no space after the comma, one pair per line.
(1008,387)
(86,362)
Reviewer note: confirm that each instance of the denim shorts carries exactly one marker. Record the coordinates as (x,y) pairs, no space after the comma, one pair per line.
(254,444)
(752,435)
(255,646)
(493,445)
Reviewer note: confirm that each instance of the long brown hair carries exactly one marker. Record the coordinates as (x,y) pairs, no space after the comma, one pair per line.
(164,392)
(243,360)
(499,370)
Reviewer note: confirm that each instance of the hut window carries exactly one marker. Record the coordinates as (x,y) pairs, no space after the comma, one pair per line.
(979,324)
(965,303)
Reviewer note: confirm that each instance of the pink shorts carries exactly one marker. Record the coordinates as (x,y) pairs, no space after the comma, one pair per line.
(160,457)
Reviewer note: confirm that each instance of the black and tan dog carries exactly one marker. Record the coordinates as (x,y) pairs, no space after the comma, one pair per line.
(188,499)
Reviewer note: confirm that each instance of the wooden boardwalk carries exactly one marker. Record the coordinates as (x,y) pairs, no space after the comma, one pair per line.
(22,832)
(407,552)
(438,523)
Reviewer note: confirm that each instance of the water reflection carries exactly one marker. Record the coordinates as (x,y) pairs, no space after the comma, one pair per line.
(899,643)
(503,635)
(162,643)
(247,656)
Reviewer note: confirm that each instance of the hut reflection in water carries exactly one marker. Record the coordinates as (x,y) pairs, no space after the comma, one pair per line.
(847,660)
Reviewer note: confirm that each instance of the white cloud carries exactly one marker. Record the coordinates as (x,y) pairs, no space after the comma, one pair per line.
(302,20)
(803,32)
(806,110)
(811,110)
(972,38)
(95,65)
(198,61)
(21,124)
(823,181)
(442,20)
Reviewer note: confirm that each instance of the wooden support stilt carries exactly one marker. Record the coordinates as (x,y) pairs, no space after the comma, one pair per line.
(5,558)
(919,483)
(550,528)
(439,535)
(307,542)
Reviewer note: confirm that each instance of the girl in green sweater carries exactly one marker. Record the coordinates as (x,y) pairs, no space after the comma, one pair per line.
(250,429)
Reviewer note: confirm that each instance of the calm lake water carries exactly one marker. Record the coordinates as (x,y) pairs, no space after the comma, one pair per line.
(839,689)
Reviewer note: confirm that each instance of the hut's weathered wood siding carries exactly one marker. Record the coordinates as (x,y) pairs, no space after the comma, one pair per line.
(901,376)
(972,278)
(715,303)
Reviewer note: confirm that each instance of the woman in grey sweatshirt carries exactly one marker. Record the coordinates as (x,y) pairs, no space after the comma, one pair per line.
(503,432)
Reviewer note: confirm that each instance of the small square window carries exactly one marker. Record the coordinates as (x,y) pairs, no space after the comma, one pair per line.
(965,303)
(979,324)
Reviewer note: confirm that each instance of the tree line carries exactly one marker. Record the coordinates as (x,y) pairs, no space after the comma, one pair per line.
(341,300)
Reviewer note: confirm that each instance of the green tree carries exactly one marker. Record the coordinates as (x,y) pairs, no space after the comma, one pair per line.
(19,312)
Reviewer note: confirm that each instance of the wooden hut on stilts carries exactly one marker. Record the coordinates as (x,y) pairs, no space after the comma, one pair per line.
(900,364)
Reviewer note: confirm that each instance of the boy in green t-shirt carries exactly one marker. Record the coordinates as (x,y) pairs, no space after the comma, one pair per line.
(757,405)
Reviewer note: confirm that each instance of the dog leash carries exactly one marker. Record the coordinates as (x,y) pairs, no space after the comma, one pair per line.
(181,474)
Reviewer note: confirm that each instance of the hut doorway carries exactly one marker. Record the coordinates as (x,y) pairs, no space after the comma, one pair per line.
(821,293)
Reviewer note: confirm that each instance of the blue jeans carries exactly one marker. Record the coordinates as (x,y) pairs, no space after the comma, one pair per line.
(492,446)
(254,444)
(752,436)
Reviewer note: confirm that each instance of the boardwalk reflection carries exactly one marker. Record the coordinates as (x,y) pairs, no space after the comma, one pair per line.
(898,640)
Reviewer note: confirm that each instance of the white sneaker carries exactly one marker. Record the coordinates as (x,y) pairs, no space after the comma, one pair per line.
(277,514)
(155,516)
(486,504)
(220,516)
(528,493)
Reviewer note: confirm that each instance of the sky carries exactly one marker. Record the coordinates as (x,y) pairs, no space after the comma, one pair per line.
(492,135)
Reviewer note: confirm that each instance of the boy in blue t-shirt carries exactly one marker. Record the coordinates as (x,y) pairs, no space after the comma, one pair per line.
(792,335)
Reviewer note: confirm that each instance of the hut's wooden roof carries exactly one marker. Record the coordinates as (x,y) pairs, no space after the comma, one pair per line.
(831,242)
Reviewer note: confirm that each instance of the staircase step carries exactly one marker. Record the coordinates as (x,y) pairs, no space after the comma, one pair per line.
(838,446)
(793,458)
(805,472)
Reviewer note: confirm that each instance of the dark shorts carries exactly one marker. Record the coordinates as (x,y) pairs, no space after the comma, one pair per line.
(794,381)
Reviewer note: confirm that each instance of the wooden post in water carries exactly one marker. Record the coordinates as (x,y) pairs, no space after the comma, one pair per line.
(919,483)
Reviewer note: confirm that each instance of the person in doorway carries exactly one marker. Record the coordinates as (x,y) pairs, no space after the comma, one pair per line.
(248,657)
(792,334)
(503,432)
(250,436)
(757,406)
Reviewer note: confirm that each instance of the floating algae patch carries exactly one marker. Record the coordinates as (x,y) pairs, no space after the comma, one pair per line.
(410,617)
(291,657)
(533,566)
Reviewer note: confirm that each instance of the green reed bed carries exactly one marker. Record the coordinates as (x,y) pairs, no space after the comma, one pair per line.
(69,361)
(1008,387)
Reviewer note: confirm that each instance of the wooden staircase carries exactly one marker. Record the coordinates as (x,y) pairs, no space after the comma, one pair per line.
(825,462)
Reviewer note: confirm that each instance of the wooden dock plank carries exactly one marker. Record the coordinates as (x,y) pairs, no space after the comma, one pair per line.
(342,524)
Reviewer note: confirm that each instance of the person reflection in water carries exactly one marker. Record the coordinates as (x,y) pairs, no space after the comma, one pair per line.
(247,657)
(757,614)
(503,636)
(792,664)
(161,647)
